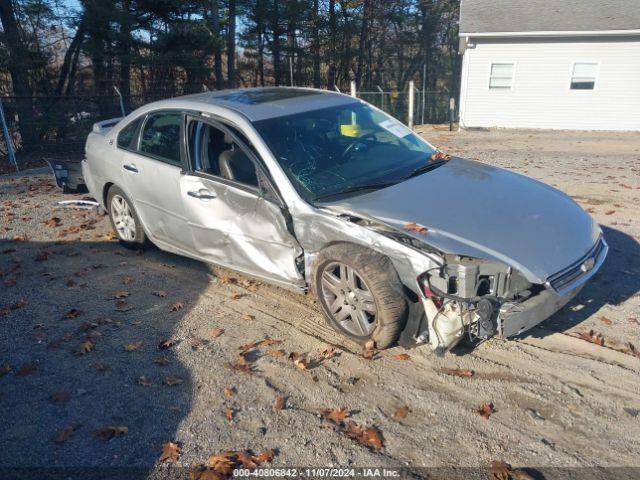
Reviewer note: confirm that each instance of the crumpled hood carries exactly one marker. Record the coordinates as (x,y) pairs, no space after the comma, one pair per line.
(486,212)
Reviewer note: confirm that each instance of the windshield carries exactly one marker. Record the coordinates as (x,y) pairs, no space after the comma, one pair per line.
(343,150)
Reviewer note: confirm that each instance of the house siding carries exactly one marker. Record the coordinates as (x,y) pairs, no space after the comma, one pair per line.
(540,96)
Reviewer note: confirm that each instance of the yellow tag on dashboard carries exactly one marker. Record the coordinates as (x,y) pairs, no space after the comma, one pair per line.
(350,130)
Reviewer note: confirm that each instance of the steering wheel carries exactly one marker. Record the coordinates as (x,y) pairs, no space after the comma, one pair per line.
(365,139)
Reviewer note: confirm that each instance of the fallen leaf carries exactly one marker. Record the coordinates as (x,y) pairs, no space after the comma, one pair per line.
(456,372)
(327,352)
(174,307)
(401,412)
(368,436)
(264,457)
(131,347)
(172,380)
(160,293)
(162,361)
(239,367)
(85,347)
(127,280)
(592,337)
(144,381)
(5,368)
(605,320)
(101,367)
(280,403)
(214,332)
(229,413)
(61,396)
(73,313)
(121,294)
(225,280)
(500,470)
(236,296)
(415,227)
(26,369)
(229,391)
(335,415)
(170,451)
(276,352)
(66,433)
(269,341)
(300,361)
(485,410)
(111,431)
(402,357)
(165,344)
(248,317)
(122,306)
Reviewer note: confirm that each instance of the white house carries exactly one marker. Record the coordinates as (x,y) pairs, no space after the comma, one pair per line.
(558,64)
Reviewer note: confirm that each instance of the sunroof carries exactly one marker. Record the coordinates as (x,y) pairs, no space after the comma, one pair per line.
(256,97)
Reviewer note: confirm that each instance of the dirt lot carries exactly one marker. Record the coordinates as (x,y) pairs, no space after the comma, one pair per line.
(75,359)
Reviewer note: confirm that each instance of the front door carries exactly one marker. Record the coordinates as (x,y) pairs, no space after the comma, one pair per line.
(234,214)
(152,172)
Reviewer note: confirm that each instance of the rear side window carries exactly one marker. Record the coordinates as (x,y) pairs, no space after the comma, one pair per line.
(125,137)
(160,137)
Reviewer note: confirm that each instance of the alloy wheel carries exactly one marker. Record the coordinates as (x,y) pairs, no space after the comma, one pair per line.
(123,219)
(348,299)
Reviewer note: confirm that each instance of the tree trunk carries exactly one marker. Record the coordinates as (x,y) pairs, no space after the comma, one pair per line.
(19,71)
(126,43)
(231,45)
(316,44)
(331,76)
(275,50)
(217,52)
(362,44)
(70,60)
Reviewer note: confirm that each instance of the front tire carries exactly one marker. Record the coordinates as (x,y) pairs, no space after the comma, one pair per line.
(360,294)
(125,220)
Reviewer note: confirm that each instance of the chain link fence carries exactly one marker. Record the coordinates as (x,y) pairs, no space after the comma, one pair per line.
(56,127)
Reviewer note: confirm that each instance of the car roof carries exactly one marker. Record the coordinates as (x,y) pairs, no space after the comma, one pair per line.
(269,102)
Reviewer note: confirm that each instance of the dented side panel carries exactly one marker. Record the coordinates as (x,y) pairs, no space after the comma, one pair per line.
(240,229)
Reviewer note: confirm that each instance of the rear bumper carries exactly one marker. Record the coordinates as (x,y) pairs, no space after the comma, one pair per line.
(68,173)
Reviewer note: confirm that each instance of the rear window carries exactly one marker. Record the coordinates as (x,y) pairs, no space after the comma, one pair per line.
(125,137)
(160,137)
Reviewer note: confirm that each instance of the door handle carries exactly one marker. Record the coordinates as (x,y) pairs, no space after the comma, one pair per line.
(131,168)
(202,194)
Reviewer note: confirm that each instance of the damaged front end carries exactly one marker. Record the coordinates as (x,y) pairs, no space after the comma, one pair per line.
(477,299)
(463,298)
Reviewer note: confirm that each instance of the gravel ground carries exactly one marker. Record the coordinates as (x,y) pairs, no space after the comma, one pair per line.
(75,359)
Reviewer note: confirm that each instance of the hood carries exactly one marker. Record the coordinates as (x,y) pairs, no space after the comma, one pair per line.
(481,211)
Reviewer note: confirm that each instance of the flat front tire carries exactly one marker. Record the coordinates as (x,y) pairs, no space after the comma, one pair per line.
(360,294)
(124,219)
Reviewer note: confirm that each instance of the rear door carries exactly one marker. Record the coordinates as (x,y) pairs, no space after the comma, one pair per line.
(234,213)
(152,170)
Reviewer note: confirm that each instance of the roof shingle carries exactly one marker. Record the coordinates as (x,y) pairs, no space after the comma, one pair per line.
(481,16)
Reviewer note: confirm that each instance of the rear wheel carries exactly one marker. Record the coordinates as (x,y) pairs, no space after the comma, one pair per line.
(360,294)
(125,220)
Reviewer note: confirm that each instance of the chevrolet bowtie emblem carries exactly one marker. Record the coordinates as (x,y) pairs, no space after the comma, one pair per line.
(587,265)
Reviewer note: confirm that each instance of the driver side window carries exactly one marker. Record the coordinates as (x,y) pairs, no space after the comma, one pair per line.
(215,152)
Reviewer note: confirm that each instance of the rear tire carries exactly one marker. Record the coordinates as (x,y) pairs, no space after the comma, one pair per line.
(125,220)
(360,294)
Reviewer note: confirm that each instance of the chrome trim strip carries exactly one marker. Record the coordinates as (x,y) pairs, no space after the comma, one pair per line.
(583,278)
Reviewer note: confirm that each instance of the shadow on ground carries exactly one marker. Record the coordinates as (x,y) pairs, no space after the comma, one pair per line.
(57,296)
(617,281)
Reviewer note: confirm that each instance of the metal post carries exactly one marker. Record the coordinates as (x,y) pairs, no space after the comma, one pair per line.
(291,69)
(7,139)
(353,89)
(337,89)
(121,101)
(381,98)
(411,103)
(452,107)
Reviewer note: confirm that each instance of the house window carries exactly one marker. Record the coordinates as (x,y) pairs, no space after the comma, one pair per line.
(583,76)
(501,76)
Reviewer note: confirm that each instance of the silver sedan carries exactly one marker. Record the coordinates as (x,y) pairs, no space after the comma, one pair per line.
(317,191)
